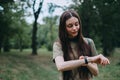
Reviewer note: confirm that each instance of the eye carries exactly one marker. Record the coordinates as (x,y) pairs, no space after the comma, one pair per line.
(76,24)
(69,26)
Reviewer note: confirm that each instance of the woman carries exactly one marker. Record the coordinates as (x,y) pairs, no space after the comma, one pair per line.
(74,55)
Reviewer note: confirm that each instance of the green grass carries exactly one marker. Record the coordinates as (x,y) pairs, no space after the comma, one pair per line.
(112,71)
(17,65)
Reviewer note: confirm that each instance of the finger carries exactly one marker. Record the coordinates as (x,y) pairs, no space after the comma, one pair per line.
(102,61)
(107,61)
(81,57)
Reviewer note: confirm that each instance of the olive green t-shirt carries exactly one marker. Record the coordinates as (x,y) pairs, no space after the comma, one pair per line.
(57,51)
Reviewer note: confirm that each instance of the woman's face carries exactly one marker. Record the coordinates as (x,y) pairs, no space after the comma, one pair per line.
(72,27)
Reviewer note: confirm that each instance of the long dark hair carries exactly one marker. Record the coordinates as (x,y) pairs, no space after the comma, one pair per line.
(83,47)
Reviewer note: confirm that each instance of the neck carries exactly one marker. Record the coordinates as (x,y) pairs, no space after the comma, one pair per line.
(75,39)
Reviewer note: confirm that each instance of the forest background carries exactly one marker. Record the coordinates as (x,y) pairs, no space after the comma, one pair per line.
(18,37)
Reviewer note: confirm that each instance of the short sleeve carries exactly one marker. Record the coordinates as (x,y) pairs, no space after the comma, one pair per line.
(57,50)
(93,48)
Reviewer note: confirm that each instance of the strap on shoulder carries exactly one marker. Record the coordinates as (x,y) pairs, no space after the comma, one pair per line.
(88,41)
(90,47)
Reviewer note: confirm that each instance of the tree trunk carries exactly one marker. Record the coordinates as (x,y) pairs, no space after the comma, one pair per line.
(1,43)
(20,44)
(6,46)
(34,38)
(105,52)
(105,46)
(51,36)
(0,46)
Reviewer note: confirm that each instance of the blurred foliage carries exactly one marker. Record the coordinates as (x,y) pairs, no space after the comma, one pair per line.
(48,32)
(100,21)
(5,22)
(12,26)
(6,1)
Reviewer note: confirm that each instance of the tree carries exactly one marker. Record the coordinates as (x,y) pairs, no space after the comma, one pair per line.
(12,23)
(89,18)
(5,21)
(100,21)
(109,14)
(34,32)
(50,31)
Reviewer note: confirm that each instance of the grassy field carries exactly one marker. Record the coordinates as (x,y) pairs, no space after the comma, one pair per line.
(17,65)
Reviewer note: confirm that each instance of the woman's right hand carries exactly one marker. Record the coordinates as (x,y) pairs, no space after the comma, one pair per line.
(100,59)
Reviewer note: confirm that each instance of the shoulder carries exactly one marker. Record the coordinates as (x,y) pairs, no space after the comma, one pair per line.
(88,40)
(92,45)
(57,49)
(57,43)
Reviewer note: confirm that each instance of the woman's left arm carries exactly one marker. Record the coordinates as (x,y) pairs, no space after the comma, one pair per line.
(93,68)
(99,59)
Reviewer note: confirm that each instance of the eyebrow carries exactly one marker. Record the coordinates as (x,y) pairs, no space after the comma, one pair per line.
(71,23)
(75,22)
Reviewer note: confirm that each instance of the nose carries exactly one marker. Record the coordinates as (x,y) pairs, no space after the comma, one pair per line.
(74,27)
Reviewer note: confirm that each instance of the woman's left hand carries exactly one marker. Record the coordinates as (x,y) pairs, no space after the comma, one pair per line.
(82,57)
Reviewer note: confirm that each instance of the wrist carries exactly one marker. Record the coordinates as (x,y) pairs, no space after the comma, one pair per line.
(89,59)
(86,60)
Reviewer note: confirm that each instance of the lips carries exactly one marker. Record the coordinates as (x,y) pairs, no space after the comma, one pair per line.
(74,32)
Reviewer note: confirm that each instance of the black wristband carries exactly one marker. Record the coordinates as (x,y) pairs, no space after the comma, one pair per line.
(86,61)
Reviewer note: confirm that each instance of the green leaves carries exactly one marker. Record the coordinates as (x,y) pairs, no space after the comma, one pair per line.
(100,19)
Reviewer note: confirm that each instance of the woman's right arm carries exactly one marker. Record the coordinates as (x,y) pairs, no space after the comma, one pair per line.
(68,65)
(99,59)
(61,64)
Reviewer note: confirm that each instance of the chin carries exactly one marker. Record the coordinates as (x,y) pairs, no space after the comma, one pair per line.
(74,36)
